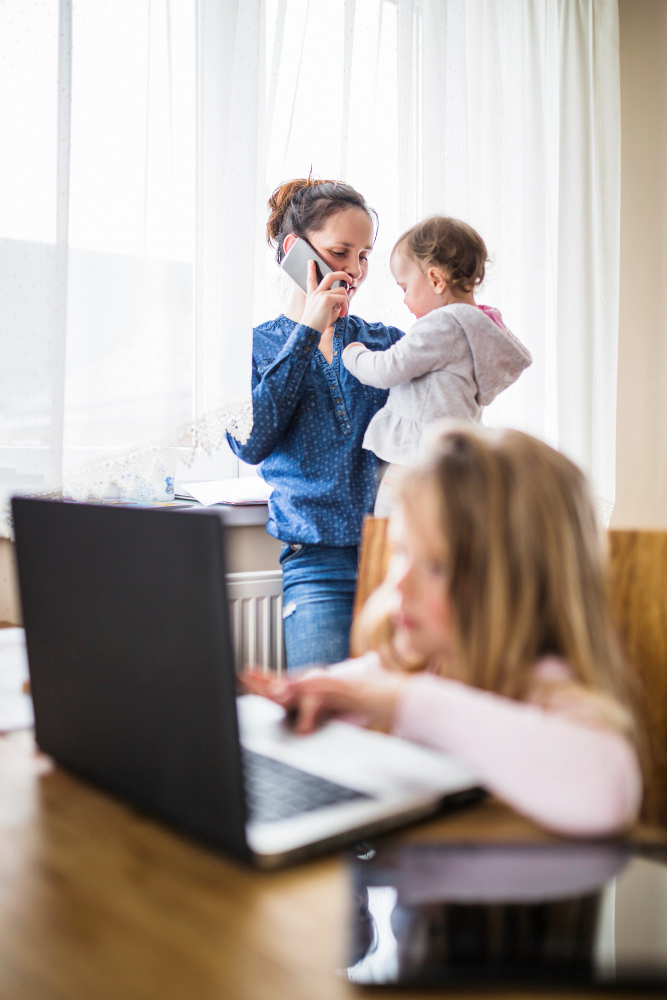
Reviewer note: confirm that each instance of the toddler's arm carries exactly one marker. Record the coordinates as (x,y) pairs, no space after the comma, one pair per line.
(425,348)
(574,778)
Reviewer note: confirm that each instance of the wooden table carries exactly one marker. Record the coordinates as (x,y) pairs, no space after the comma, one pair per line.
(97,902)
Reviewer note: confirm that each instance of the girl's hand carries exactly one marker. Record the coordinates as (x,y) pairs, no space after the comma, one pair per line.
(316,695)
(324,304)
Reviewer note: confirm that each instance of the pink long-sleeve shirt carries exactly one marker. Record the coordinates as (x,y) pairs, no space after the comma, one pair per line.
(559,766)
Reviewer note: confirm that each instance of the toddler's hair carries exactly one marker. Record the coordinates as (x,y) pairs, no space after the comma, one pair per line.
(449,244)
(302,206)
(526,566)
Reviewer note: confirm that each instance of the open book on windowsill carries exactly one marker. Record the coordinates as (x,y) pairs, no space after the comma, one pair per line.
(248,490)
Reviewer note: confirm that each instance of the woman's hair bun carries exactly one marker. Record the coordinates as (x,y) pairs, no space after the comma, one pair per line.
(302,206)
(280,201)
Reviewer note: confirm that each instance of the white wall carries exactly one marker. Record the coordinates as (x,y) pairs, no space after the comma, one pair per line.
(641,438)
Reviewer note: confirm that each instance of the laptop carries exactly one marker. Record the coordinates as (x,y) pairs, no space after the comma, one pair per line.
(134,689)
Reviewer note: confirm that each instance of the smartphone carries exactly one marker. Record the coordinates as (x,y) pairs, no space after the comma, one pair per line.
(295,263)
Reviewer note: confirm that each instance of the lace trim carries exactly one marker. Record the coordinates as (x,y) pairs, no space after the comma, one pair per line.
(604,509)
(136,472)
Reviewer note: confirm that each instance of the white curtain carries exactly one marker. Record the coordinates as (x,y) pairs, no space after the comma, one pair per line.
(505,113)
(521,137)
(132,256)
(127,237)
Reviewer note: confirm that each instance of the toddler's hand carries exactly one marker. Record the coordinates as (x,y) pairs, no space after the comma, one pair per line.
(348,352)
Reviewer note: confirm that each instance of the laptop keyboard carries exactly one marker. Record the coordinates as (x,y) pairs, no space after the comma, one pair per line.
(277,791)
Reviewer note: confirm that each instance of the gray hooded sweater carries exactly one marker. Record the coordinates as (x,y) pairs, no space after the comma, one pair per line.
(451,363)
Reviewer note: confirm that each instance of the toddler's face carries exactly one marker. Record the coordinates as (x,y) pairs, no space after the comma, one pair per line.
(419,294)
(418,571)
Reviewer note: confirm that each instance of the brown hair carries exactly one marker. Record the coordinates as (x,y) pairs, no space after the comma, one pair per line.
(451,245)
(526,564)
(302,207)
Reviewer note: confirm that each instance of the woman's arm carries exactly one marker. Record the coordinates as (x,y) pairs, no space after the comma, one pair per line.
(427,347)
(571,777)
(276,394)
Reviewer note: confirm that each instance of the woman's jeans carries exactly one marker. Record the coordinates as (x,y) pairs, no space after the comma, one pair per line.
(319,582)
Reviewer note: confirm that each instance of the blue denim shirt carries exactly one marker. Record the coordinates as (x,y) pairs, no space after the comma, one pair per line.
(309,420)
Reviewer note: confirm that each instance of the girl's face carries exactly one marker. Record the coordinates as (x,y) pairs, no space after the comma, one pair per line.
(419,288)
(345,241)
(418,571)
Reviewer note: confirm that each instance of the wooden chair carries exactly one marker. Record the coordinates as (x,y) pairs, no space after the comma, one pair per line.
(638,593)
(373,559)
(638,589)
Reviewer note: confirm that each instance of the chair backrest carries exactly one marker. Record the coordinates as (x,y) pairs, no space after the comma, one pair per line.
(638,589)
(373,559)
(638,592)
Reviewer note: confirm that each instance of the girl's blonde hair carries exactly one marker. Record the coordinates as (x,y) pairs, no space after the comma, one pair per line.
(450,244)
(526,567)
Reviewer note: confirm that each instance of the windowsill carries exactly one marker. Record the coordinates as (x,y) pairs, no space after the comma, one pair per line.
(232,514)
(240,516)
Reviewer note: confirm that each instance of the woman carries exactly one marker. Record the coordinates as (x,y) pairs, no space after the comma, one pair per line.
(310,415)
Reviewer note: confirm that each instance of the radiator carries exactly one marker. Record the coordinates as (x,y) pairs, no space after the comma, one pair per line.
(256,615)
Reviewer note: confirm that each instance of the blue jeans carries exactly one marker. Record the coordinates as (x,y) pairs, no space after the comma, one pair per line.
(319,582)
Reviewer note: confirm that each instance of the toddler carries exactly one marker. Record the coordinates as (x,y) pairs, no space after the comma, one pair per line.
(454,360)
(490,638)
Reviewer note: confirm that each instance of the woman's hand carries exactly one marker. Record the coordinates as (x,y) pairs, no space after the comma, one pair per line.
(316,695)
(324,304)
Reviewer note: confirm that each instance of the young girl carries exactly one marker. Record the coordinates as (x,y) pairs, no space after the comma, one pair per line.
(490,637)
(455,359)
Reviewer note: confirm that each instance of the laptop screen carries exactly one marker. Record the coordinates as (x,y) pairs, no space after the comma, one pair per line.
(130,657)
(590,914)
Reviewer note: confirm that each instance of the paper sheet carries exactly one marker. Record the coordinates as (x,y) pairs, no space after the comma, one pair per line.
(246,490)
(15,706)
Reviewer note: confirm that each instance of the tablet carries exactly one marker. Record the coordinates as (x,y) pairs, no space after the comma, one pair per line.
(560,915)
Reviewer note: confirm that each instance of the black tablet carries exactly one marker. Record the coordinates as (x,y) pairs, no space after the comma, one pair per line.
(557,915)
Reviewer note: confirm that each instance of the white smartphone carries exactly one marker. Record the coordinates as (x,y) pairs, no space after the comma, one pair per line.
(295,263)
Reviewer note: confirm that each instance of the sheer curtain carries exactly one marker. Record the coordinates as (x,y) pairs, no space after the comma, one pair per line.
(527,94)
(141,142)
(127,237)
(505,113)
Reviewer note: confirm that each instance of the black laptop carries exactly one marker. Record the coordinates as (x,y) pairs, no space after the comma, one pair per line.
(133,683)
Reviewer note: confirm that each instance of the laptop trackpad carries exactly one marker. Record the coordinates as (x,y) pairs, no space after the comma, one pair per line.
(368,762)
